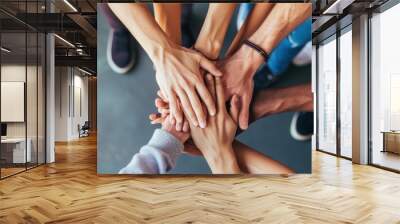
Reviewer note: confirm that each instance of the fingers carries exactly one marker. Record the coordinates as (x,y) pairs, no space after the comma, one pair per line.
(162,96)
(185,126)
(176,113)
(207,98)
(161,103)
(244,112)
(209,66)
(234,110)
(197,107)
(189,113)
(211,87)
(156,118)
(219,89)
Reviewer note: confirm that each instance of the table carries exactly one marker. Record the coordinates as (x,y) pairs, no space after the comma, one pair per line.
(391,141)
(19,155)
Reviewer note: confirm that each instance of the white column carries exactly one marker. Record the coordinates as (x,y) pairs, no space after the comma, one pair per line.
(50,99)
(360,90)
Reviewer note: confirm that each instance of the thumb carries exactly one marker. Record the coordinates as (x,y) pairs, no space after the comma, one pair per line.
(234,110)
(209,66)
(244,112)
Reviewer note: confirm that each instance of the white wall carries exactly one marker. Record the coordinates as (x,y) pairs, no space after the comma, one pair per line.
(69,82)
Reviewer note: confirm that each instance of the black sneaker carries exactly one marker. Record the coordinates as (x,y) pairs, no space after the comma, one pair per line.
(263,78)
(121,52)
(302,126)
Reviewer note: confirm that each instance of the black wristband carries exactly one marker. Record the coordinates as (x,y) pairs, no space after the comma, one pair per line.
(254,46)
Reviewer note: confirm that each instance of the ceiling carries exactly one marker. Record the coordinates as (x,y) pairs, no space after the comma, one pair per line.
(74,22)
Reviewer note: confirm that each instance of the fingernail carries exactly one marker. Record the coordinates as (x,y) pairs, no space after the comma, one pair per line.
(212,112)
(202,124)
(178,126)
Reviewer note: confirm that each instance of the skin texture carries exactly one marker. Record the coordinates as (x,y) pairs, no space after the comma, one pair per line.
(213,32)
(267,102)
(240,68)
(168,17)
(215,141)
(178,70)
(182,136)
(211,36)
(252,23)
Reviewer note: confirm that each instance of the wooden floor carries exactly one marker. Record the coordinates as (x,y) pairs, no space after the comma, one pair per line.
(69,191)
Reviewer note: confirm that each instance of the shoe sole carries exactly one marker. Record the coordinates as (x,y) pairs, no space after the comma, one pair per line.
(110,61)
(294,133)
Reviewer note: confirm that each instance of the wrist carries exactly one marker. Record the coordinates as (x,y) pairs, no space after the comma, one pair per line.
(160,50)
(208,47)
(253,60)
(222,160)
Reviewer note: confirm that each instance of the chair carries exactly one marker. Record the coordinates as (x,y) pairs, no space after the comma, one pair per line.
(84,130)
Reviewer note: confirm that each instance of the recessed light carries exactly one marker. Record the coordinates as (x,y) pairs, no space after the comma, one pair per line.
(5,50)
(70,5)
(64,40)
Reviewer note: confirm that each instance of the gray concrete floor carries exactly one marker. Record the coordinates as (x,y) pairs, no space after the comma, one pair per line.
(125,101)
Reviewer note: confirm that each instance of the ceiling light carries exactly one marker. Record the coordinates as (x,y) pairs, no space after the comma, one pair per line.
(337,7)
(70,5)
(5,50)
(64,40)
(84,71)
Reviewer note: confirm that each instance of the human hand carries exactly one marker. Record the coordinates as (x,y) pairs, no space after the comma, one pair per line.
(238,71)
(215,140)
(182,136)
(163,112)
(164,118)
(179,76)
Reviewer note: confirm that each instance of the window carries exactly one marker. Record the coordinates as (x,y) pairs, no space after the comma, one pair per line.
(346,95)
(327,96)
(385,89)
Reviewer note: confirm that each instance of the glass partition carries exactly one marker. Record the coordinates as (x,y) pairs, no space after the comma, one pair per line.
(385,89)
(14,153)
(327,95)
(346,92)
(22,77)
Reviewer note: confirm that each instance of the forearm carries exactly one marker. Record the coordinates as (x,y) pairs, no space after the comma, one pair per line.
(168,17)
(283,18)
(252,23)
(281,21)
(254,162)
(139,21)
(213,31)
(273,101)
(222,160)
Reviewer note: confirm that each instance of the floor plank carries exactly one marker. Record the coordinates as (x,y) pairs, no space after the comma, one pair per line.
(70,191)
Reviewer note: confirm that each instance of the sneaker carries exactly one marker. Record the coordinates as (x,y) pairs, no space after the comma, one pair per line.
(302,126)
(304,56)
(121,54)
(264,78)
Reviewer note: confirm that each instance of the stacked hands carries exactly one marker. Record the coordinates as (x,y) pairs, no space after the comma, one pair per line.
(214,141)
(194,89)
(180,76)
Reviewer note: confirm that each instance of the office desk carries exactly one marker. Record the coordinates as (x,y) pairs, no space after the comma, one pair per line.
(13,150)
(391,141)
